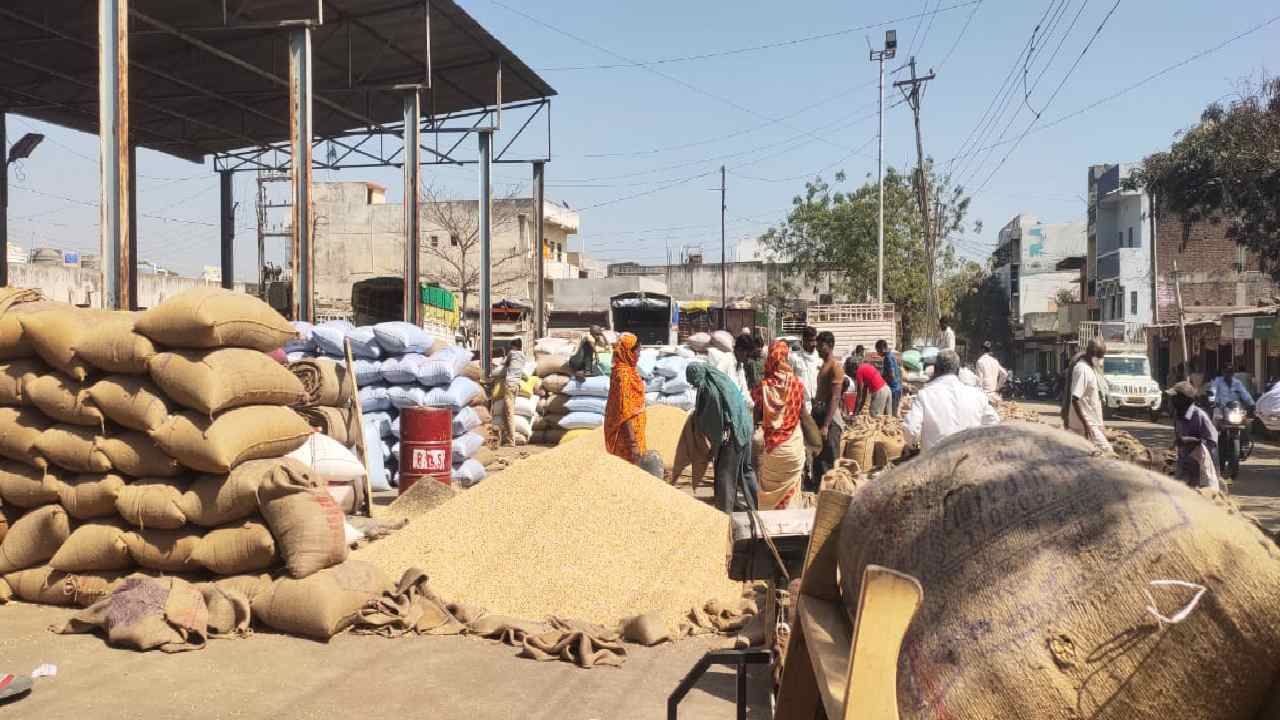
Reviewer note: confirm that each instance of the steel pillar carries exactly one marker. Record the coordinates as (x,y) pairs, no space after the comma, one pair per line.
(539,222)
(113,137)
(132,281)
(300,145)
(227,226)
(412,182)
(4,200)
(486,252)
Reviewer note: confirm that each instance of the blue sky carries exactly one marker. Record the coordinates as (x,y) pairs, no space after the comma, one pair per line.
(774,116)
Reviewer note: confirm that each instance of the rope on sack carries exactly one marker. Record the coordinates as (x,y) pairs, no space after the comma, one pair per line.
(1181,614)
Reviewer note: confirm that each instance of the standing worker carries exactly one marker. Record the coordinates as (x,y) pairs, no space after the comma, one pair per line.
(946,336)
(1084,397)
(722,418)
(945,405)
(509,389)
(779,402)
(872,390)
(991,374)
(624,415)
(806,363)
(892,374)
(588,361)
(826,409)
(1195,437)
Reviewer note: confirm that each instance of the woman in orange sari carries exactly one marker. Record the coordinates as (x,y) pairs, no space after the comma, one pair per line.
(779,399)
(624,416)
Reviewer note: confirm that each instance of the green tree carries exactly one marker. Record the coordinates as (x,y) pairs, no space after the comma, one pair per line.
(831,230)
(979,307)
(1226,168)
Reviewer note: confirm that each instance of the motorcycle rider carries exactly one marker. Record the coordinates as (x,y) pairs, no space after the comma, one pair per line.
(1195,437)
(1226,388)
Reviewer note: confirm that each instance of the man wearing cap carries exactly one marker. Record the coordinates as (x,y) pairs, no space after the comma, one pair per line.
(991,374)
(1194,436)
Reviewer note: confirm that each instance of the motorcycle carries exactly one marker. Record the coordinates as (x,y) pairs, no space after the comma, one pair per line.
(1041,388)
(1235,444)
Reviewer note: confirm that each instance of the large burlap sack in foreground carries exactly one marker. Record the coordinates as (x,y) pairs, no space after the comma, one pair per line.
(306,522)
(209,317)
(214,500)
(152,503)
(46,586)
(14,342)
(137,455)
(34,538)
(115,347)
(19,430)
(55,335)
(235,549)
(26,487)
(213,381)
(321,605)
(89,496)
(146,613)
(130,400)
(97,545)
(73,448)
(8,516)
(236,436)
(1037,558)
(14,375)
(63,400)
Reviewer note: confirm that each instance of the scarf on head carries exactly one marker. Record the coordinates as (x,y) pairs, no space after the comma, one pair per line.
(720,406)
(780,395)
(626,400)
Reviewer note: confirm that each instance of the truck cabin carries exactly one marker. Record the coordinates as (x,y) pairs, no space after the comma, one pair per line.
(651,317)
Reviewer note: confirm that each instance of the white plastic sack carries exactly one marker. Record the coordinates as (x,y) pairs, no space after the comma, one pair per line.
(443,366)
(405,396)
(526,407)
(466,445)
(699,341)
(578,420)
(368,372)
(685,352)
(381,420)
(374,398)
(297,355)
(468,473)
(465,420)
(597,386)
(722,360)
(304,342)
(330,461)
(397,336)
(647,361)
(685,400)
(364,344)
(587,404)
(456,396)
(676,385)
(651,398)
(655,384)
(671,366)
(722,340)
(328,337)
(375,460)
(402,369)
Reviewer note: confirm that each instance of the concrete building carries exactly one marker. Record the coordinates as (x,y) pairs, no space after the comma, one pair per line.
(358,235)
(1121,287)
(1026,261)
(83,286)
(696,281)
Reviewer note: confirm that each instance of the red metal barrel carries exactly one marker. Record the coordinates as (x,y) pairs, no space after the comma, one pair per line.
(426,446)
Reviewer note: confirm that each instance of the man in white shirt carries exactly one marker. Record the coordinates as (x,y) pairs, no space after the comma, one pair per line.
(991,374)
(1085,410)
(946,336)
(806,363)
(946,405)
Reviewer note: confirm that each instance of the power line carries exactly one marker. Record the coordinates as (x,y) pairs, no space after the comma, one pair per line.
(960,36)
(754,48)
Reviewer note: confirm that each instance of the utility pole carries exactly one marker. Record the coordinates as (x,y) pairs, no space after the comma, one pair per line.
(879,56)
(724,267)
(1182,323)
(911,91)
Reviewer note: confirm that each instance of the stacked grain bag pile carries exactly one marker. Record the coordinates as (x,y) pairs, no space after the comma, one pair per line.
(156,442)
(873,442)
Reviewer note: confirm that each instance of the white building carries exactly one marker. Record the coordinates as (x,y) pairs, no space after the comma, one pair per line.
(1026,261)
(1120,240)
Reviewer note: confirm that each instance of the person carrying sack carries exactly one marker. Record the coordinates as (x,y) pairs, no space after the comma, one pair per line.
(722,417)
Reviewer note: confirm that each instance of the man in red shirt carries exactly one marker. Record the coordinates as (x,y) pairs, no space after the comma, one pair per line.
(872,389)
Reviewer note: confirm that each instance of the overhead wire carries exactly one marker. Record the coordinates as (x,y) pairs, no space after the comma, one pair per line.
(960,36)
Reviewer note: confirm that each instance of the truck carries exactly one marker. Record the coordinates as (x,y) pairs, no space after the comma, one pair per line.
(511,319)
(855,324)
(1127,383)
(654,318)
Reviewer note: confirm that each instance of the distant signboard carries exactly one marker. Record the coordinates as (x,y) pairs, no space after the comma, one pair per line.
(70,257)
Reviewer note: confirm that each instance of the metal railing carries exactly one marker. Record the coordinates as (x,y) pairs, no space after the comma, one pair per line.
(1113,332)
(849,312)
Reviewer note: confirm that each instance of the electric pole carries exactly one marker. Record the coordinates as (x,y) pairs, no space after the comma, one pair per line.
(724,268)
(912,89)
(879,56)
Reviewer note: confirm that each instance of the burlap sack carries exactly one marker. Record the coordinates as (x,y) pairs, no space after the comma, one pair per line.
(324,381)
(14,343)
(555,405)
(19,430)
(55,334)
(131,401)
(303,517)
(236,436)
(26,487)
(332,421)
(209,317)
(97,545)
(73,448)
(554,384)
(13,378)
(146,613)
(87,497)
(9,514)
(116,348)
(250,586)
(213,381)
(164,550)
(243,547)
(321,605)
(63,400)
(45,586)
(887,450)
(34,538)
(1044,568)
(137,455)
(152,503)
(214,500)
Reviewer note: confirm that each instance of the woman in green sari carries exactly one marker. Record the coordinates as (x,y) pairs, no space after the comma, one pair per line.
(722,417)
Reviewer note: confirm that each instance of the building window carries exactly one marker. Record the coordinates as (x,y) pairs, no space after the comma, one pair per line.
(435,241)
(1131,238)
(1120,239)
(1133,303)
(453,240)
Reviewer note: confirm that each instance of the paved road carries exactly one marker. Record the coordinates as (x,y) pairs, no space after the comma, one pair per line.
(1256,490)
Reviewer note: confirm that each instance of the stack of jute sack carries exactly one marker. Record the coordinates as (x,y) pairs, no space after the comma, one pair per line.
(873,442)
(156,442)
(551,367)
(399,365)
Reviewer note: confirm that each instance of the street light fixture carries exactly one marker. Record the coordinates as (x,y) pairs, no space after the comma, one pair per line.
(879,56)
(22,149)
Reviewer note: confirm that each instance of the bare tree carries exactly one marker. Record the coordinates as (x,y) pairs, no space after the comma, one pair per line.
(453,259)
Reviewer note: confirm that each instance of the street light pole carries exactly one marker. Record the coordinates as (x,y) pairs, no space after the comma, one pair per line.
(879,56)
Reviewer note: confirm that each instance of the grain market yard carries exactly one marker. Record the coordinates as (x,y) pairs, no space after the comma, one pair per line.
(269,675)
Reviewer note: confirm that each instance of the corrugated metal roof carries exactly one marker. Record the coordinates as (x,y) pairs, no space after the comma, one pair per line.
(189,99)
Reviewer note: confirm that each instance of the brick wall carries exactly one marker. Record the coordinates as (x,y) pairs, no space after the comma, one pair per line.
(1206,259)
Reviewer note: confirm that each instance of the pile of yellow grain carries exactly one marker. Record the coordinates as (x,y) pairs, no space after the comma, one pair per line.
(573,532)
(663,426)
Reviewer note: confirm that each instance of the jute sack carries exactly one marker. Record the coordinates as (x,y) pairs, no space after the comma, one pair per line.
(63,400)
(34,538)
(13,376)
(555,405)
(56,333)
(306,522)
(859,445)
(332,421)
(321,605)
(235,549)
(251,586)
(1046,571)
(208,317)
(214,500)
(213,381)
(554,384)
(45,586)
(26,487)
(324,381)
(152,503)
(115,347)
(97,545)
(131,401)
(164,550)
(146,613)
(9,514)
(236,436)
(553,365)
(137,455)
(19,430)
(87,497)
(72,448)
